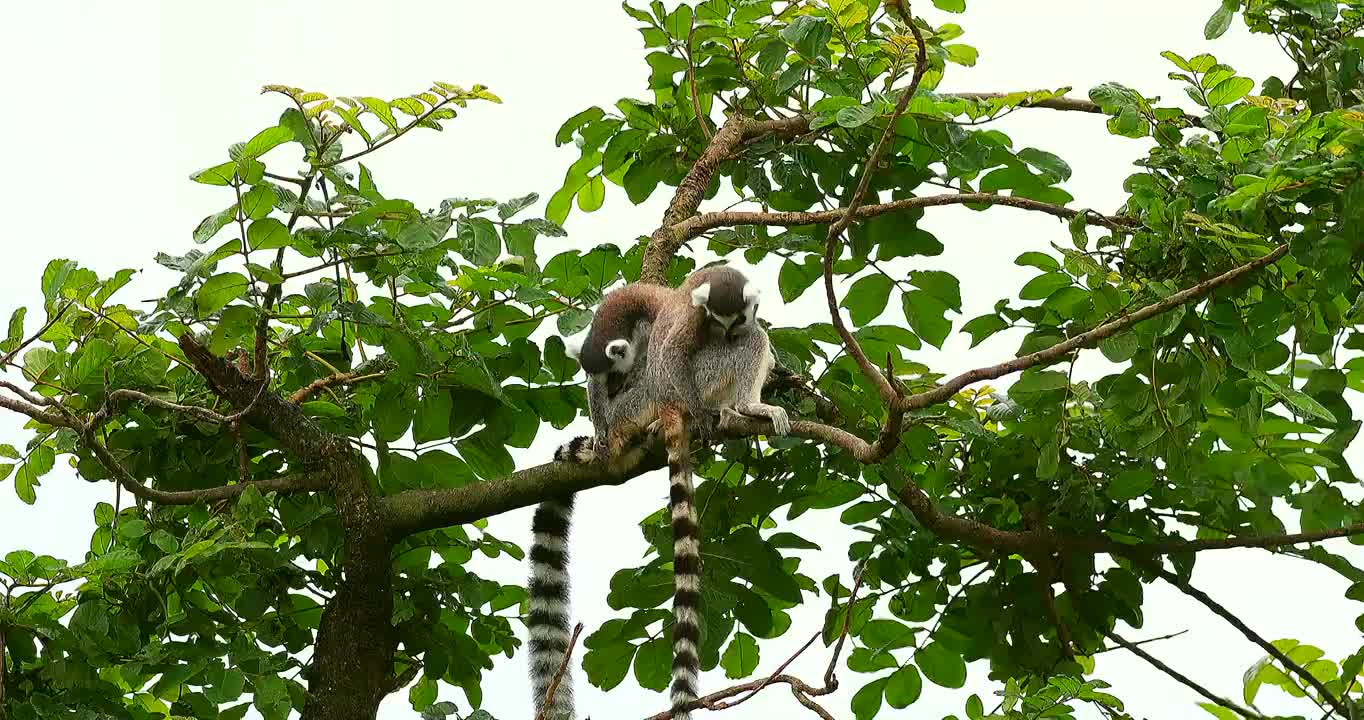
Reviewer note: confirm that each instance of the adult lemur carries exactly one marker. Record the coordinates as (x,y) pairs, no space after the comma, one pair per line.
(709,353)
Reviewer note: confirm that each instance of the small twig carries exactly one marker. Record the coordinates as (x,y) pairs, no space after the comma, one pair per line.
(770,678)
(322,383)
(830,679)
(1180,677)
(691,80)
(46,326)
(809,702)
(559,674)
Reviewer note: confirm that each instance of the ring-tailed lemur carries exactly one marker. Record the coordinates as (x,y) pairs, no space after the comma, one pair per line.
(709,353)
(549,622)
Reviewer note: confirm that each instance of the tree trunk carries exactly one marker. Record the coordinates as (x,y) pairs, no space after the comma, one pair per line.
(353,663)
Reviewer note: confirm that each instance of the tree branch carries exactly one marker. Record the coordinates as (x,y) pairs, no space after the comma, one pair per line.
(322,383)
(727,140)
(9,356)
(1108,329)
(833,240)
(1253,636)
(1181,678)
(694,226)
(301,482)
(281,420)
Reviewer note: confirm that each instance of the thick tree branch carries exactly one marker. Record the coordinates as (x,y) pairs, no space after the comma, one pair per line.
(727,140)
(833,247)
(694,226)
(270,413)
(1108,329)
(1182,679)
(1254,637)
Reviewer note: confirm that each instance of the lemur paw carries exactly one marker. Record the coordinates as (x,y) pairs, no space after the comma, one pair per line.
(581,450)
(781,424)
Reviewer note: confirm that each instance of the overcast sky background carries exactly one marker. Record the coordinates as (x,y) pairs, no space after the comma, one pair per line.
(110,106)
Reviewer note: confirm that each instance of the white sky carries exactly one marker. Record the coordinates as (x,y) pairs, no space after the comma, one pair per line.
(111,105)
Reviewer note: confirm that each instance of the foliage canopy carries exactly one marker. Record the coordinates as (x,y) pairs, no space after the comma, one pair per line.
(265,561)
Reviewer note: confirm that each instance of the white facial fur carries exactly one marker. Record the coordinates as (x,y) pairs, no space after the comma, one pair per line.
(701,295)
(622,355)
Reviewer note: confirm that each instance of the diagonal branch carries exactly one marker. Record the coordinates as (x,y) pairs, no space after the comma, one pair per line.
(323,383)
(1108,329)
(1182,679)
(832,242)
(1253,636)
(723,145)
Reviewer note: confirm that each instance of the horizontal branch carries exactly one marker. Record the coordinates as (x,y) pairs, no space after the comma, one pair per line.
(413,511)
(698,224)
(1055,103)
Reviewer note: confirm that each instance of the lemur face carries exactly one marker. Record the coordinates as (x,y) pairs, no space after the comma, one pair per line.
(622,355)
(732,312)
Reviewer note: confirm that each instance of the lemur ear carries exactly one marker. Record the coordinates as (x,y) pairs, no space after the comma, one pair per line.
(573,348)
(751,293)
(701,295)
(617,348)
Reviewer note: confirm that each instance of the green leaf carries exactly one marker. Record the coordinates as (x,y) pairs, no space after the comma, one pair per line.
(740,658)
(1230,90)
(653,664)
(1119,348)
(952,6)
(1219,712)
(941,285)
(808,35)
(258,202)
(55,276)
(1130,485)
(1042,286)
(868,297)
(941,666)
(1052,168)
(592,195)
(266,140)
(983,327)
(927,317)
(218,291)
(867,702)
(267,234)
(1301,401)
(16,330)
(794,279)
(220,175)
(1041,261)
(1220,20)
(904,687)
(507,209)
(854,116)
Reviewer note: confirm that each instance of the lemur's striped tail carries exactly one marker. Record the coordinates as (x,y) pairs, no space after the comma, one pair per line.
(549,622)
(686,566)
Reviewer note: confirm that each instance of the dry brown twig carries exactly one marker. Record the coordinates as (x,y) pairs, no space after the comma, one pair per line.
(559,674)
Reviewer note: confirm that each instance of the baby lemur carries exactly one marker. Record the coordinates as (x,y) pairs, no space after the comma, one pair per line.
(708,353)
